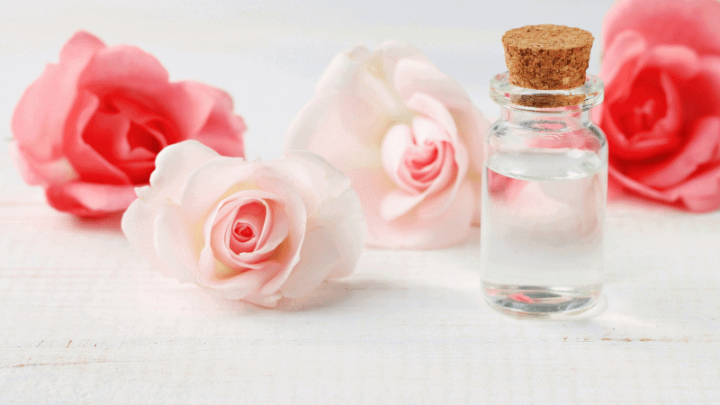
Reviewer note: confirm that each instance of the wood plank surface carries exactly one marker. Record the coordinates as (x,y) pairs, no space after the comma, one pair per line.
(84,320)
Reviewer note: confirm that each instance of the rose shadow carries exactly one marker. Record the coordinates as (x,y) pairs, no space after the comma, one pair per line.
(329,293)
(109,223)
(348,294)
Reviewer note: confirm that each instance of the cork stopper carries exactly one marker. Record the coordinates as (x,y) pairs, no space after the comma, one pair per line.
(547,57)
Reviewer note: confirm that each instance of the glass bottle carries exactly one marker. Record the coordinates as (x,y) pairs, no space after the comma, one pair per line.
(543,201)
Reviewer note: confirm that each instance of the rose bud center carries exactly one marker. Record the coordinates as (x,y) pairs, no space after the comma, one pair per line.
(247,226)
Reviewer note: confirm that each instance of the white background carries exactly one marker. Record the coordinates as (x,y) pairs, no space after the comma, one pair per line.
(269,54)
(84,320)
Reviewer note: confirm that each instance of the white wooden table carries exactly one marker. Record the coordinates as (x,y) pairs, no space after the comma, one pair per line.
(84,321)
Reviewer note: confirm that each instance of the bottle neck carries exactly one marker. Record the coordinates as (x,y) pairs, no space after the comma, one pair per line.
(551,120)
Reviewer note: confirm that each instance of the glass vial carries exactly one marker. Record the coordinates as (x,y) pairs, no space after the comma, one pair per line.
(543,201)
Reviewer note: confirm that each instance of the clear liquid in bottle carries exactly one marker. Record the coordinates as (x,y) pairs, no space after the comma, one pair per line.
(542,231)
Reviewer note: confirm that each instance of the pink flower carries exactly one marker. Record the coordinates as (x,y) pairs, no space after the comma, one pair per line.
(89,128)
(246,230)
(661,114)
(407,136)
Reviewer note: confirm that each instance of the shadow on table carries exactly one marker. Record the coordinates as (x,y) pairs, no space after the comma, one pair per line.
(388,297)
(330,293)
(110,223)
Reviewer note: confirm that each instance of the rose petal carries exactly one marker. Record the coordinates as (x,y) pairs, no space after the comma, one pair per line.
(90,164)
(246,286)
(341,140)
(393,51)
(700,194)
(253,216)
(41,173)
(221,130)
(701,147)
(437,113)
(157,132)
(39,119)
(354,97)
(174,164)
(409,232)
(341,217)
(297,216)
(174,243)
(662,138)
(430,107)
(269,301)
(397,140)
(89,199)
(428,131)
(682,22)
(697,194)
(216,179)
(320,255)
(140,170)
(332,204)
(422,165)
(681,62)
(342,70)
(127,139)
(703,91)
(315,180)
(274,230)
(198,111)
(398,202)
(413,76)
(138,225)
(363,76)
(128,68)
(107,133)
(222,177)
(617,67)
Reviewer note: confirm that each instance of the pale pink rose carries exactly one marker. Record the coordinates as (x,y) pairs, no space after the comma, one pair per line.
(246,230)
(661,114)
(89,128)
(408,137)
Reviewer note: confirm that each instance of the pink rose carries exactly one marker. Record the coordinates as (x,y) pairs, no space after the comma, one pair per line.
(89,128)
(407,136)
(661,114)
(246,230)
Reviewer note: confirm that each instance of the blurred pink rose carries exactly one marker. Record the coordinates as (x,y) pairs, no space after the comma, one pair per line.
(661,114)
(408,137)
(246,230)
(89,128)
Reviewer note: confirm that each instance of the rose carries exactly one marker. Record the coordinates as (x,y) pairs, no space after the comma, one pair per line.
(407,136)
(89,128)
(661,113)
(246,230)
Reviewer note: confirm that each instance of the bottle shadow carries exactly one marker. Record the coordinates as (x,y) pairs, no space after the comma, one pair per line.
(370,294)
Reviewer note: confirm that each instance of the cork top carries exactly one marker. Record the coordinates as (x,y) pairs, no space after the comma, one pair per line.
(547,57)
